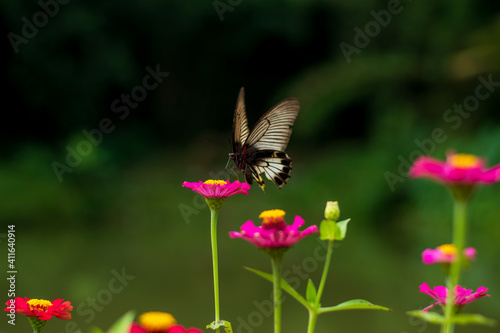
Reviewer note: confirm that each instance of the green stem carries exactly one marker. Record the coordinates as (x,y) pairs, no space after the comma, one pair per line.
(213,225)
(459,231)
(276,263)
(313,313)
(313,316)
(325,274)
(445,328)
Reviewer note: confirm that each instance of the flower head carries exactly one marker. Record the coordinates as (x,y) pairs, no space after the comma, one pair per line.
(461,296)
(445,254)
(216,191)
(274,233)
(461,172)
(156,321)
(218,188)
(459,169)
(159,322)
(40,308)
(38,311)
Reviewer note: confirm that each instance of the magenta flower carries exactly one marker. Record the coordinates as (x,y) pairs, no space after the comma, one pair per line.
(159,322)
(274,232)
(216,191)
(459,169)
(218,188)
(470,253)
(446,254)
(461,296)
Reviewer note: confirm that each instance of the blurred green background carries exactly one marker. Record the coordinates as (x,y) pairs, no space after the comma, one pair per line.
(371,93)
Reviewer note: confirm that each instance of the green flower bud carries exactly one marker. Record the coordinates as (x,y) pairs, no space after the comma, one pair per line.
(332,211)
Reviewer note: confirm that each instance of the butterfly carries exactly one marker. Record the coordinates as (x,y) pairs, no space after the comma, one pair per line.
(262,150)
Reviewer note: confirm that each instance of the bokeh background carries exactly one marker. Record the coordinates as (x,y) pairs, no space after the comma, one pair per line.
(119,206)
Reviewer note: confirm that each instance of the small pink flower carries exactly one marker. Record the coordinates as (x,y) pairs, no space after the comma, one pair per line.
(446,253)
(470,253)
(459,169)
(274,232)
(218,188)
(461,296)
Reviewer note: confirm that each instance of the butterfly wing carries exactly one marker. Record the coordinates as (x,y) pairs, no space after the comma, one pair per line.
(264,150)
(272,131)
(276,166)
(240,123)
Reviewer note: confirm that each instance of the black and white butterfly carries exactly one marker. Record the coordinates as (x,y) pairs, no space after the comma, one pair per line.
(262,150)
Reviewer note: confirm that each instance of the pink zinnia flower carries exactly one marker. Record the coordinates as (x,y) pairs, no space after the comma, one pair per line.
(136,328)
(159,322)
(216,191)
(274,232)
(40,308)
(218,188)
(446,253)
(459,169)
(461,296)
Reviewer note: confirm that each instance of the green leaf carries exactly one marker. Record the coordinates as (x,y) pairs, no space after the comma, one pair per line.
(342,227)
(328,230)
(431,317)
(354,304)
(122,325)
(466,319)
(311,292)
(461,319)
(222,323)
(284,285)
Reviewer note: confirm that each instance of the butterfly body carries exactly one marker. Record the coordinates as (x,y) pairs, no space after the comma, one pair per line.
(262,150)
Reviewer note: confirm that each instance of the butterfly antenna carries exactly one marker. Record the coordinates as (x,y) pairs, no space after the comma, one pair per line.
(227,164)
(225,169)
(230,171)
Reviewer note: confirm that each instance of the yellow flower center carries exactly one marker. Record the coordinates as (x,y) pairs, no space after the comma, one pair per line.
(465,161)
(215,182)
(448,249)
(273,219)
(157,321)
(39,304)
